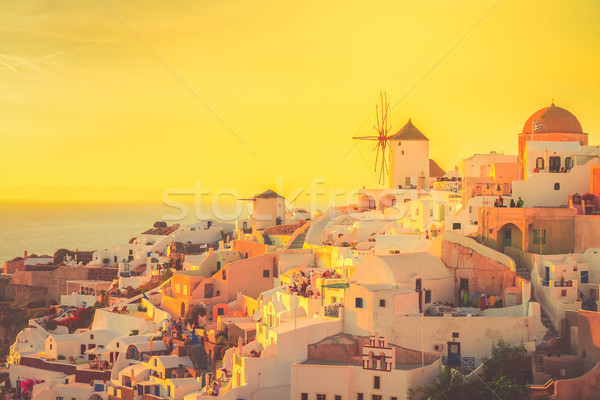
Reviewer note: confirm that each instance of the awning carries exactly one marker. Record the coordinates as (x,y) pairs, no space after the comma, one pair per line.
(246,325)
(96,350)
(147,383)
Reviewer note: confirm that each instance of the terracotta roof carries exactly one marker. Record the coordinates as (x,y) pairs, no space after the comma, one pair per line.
(283,229)
(269,194)
(408,132)
(553,120)
(435,171)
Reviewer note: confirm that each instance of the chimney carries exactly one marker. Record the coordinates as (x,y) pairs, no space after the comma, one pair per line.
(25,255)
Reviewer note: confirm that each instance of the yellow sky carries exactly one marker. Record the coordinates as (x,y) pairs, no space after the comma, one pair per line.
(85,103)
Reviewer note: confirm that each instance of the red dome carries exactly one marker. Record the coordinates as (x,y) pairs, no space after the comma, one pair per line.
(553,120)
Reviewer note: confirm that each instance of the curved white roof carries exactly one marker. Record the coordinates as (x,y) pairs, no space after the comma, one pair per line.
(399,268)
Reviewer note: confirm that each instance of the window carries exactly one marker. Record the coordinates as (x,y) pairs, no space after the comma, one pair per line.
(568,163)
(117,344)
(382,303)
(417,285)
(91,336)
(427,296)
(185,289)
(59,398)
(177,288)
(402,152)
(50,346)
(456,225)
(266,273)
(554,164)
(539,163)
(155,362)
(224,275)
(376,382)
(464,284)
(454,335)
(563,293)
(321,396)
(407,181)
(337,397)
(431,212)
(303,396)
(220,311)
(539,236)
(491,230)
(359,396)
(358,302)
(557,186)
(393,398)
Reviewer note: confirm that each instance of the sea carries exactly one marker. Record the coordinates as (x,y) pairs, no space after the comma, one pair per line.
(42,228)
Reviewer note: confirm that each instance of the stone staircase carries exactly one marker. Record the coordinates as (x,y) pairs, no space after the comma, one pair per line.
(298,241)
(314,235)
(539,375)
(522,272)
(199,358)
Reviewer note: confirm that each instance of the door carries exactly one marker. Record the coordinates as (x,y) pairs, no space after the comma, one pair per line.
(132,353)
(453,354)
(157,391)
(554,164)
(182,310)
(547,274)
(82,349)
(584,276)
(593,294)
(208,290)
(507,239)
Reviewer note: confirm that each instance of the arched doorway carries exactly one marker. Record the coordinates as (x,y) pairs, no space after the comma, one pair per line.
(367,202)
(509,235)
(182,310)
(387,201)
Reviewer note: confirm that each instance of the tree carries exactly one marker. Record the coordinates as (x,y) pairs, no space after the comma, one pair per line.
(193,313)
(501,378)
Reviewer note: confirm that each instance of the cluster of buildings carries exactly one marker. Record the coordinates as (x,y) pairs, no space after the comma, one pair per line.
(362,301)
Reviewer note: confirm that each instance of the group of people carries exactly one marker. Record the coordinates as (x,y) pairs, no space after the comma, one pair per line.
(304,284)
(87,290)
(97,364)
(215,389)
(500,202)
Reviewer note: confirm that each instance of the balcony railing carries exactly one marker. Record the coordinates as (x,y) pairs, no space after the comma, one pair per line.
(563,283)
(465,364)
(332,312)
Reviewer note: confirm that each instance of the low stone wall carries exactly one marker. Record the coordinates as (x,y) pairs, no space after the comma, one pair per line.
(585,387)
(102,274)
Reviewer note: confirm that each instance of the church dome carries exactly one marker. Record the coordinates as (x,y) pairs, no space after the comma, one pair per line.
(553,120)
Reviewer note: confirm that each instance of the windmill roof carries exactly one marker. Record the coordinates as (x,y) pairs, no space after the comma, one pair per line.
(435,171)
(408,132)
(269,194)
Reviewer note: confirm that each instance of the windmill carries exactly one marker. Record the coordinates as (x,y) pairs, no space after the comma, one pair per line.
(382,138)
